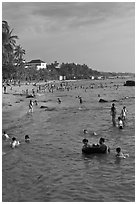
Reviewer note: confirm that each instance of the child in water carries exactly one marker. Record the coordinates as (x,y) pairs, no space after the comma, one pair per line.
(85,131)
(85,142)
(120,123)
(5,136)
(119,154)
(27,138)
(14,143)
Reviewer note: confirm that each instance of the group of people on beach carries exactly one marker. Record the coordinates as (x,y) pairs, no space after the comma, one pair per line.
(120,125)
(121,118)
(104,147)
(13,141)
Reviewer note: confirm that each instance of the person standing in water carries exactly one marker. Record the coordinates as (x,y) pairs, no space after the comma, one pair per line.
(124,113)
(59,101)
(5,135)
(31,106)
(113,114)
(14,143)
(5,89)
(80,100)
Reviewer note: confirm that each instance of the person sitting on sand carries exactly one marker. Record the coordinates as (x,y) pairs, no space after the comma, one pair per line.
(5,136)
(102,145)
(120,123)
(27,138)
(85,142)
(119,154)
(14,143)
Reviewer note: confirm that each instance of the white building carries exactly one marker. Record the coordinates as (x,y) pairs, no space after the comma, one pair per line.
(39,64)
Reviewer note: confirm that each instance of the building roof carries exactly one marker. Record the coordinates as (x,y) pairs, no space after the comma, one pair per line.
(36,61)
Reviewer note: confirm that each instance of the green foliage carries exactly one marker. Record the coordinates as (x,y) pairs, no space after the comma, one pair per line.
(12,54)
(13,66)
(76,71)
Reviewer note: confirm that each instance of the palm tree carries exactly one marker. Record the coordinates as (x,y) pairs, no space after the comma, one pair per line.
(18,53)
(8,43)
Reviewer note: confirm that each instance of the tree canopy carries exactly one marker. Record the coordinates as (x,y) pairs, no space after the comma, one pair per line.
(12,54)
(13,66)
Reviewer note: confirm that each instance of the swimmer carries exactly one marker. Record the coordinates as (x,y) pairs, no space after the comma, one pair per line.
(85,142)
(85,131)
(14,143)
(5,136)
(119,154)
(59,101)
(120,123)
(94,133)
(27,138)
(103,145)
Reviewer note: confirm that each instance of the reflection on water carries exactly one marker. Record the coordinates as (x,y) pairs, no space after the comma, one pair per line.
(53,168)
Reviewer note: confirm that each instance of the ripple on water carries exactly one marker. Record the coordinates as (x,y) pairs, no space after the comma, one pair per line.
(53,168)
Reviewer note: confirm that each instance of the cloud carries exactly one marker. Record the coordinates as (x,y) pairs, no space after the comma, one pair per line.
(84,32)
(64,15)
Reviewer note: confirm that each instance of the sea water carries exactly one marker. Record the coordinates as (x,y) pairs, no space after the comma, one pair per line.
(52,168)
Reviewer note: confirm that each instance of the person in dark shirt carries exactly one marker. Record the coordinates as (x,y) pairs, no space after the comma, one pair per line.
(103,146)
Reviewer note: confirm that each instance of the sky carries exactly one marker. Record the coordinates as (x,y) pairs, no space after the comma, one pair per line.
(98,34)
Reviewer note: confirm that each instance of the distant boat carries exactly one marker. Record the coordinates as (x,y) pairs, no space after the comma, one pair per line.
(129,83)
